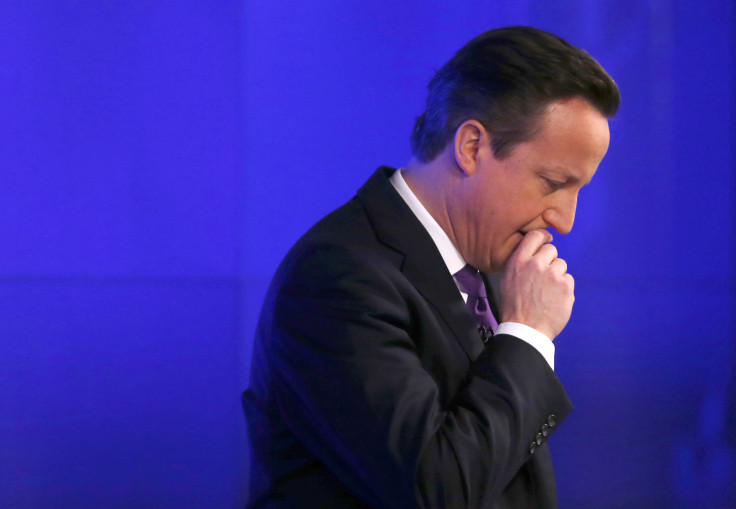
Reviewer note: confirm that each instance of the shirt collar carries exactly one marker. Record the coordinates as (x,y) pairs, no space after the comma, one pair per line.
(447,249)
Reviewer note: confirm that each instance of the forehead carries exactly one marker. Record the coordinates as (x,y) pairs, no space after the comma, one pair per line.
(574,137)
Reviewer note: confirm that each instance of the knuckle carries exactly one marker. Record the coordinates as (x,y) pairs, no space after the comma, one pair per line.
(538,263)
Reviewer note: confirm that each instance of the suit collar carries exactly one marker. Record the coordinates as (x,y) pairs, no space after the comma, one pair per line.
(397,227)
(451,256)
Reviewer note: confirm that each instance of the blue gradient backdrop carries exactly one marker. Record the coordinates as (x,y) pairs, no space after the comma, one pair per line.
(159,158)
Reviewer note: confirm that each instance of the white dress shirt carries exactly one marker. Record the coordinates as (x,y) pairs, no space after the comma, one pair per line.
(455,262)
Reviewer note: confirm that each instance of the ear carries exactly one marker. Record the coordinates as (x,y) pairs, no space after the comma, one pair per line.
(469,138)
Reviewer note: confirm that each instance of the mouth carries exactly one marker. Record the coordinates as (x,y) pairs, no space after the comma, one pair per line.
(517,238)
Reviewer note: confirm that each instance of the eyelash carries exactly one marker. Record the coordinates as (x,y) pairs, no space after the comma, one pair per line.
(553,185)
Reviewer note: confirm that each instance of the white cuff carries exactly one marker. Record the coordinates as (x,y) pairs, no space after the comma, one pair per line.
(539,341)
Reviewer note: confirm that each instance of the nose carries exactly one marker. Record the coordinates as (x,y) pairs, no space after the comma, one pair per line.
(561,216)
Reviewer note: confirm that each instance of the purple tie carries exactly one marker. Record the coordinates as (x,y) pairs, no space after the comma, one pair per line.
(470,282)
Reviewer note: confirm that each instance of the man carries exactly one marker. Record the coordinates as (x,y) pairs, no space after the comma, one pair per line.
(380,377)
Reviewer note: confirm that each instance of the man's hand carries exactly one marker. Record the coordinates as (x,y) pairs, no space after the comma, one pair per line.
(536,289)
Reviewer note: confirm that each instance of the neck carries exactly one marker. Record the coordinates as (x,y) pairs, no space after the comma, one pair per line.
(433,183)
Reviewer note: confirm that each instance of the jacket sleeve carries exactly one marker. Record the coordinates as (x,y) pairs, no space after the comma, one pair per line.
(344,361)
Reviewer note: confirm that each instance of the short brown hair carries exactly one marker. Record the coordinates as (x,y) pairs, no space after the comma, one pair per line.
(505,79)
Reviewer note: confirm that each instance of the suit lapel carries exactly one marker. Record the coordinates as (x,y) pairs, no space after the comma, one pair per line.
(397,226)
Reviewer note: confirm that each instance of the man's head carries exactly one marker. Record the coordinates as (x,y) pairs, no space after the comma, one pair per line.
(516,124)
(505,79)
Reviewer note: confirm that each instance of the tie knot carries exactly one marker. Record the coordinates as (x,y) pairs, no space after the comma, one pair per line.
(470,282)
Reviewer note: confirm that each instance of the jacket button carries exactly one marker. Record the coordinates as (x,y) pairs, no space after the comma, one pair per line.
(545,430)
(538,439)
(552,420)
(532,447)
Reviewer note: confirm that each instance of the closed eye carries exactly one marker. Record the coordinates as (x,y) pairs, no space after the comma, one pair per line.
(553,185)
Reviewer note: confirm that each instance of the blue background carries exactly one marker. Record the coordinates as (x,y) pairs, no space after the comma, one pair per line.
(159,158)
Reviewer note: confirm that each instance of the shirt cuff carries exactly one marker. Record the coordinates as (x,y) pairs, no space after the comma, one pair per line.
(539,341)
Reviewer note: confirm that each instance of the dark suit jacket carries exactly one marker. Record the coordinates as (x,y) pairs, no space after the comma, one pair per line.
(370,386)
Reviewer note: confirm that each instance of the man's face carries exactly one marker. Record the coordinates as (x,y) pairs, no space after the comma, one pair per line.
(536,186)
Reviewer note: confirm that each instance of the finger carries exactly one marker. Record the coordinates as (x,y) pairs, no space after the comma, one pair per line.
(559,265)
(547,253)
(570,279)
(532,241)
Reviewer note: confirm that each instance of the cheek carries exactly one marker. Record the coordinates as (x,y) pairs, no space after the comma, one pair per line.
(482,219)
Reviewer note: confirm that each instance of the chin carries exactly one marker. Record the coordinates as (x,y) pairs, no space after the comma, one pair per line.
(498,264)
(495,266)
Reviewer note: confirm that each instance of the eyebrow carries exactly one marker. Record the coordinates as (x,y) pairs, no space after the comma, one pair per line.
(569,179)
